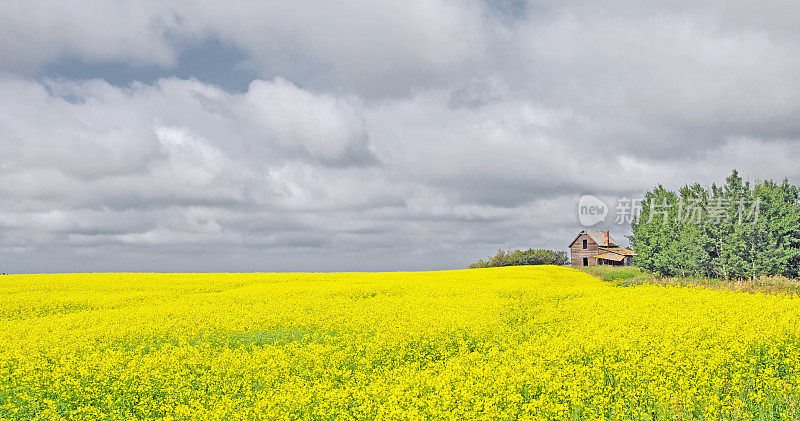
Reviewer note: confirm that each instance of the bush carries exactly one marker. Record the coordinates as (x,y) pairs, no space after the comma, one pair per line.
(520,257)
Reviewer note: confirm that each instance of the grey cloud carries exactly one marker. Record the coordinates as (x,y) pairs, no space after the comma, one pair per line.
(371,135)
(375,48)
(37,32)
(208,60)
(510,9)
(479,91)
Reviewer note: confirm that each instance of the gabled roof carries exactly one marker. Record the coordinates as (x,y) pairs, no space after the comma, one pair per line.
(598,237)
(610,256)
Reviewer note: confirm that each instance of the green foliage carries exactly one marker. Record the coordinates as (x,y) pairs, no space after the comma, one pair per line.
(620,275)
(734,231)
(520,257)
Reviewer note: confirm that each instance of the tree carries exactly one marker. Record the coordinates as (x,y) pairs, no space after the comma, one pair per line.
(519,258)
(737,230)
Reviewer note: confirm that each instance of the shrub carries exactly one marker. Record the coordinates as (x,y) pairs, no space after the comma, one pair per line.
(520,257)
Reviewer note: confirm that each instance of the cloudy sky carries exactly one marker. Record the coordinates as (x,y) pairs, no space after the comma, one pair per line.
(363,135)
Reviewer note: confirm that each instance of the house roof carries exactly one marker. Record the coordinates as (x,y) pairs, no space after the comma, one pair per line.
(619,250)
(598,237)
(610,256)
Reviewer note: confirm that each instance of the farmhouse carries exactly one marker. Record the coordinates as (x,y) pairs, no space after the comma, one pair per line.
(595,247)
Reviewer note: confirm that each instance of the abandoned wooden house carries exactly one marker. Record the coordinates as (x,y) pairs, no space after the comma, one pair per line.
(595,247)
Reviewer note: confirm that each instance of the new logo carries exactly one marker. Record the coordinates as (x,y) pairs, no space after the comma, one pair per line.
(591,210)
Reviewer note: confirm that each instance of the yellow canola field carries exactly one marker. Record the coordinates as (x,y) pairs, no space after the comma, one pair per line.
(520,342)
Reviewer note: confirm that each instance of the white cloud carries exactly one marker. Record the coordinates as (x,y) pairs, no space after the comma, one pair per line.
(325,128)
(188,160)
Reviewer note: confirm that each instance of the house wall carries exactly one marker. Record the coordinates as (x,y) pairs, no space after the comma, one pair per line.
(577,253)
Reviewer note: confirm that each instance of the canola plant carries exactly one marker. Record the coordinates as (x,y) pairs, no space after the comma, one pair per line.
(536,342)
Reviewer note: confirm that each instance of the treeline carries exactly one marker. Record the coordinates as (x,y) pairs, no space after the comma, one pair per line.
(523,257)
(736,230)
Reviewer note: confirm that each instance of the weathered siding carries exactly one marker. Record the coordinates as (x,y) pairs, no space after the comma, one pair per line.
(577,252)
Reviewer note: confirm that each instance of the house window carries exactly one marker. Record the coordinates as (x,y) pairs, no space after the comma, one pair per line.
(585,245)
(585,259)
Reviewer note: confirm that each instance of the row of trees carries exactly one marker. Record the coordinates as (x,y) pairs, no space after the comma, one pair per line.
(523,257)
(737,230)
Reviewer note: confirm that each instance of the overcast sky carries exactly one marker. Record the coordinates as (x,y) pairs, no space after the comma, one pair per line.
(369,135)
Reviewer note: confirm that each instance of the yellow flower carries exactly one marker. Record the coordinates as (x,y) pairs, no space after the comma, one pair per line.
(533,342)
